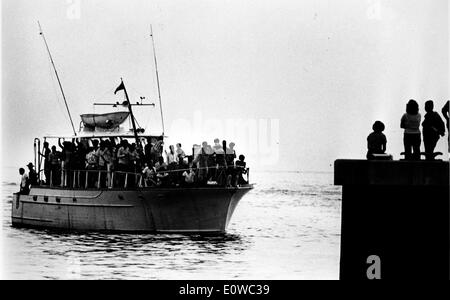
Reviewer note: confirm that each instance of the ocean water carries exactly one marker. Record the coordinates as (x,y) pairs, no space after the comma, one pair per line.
(288,227)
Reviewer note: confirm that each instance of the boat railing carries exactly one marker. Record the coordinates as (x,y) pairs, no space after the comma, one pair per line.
(97,179)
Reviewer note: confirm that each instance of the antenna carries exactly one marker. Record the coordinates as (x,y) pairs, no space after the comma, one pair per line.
(57,77)
(157,79)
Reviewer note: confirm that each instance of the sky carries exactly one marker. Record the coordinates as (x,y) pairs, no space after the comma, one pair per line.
(295,84)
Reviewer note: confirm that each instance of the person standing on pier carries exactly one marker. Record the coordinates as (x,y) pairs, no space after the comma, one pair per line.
(410,121)
(433,128)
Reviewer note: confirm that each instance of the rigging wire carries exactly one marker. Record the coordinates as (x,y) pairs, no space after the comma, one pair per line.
(57,76)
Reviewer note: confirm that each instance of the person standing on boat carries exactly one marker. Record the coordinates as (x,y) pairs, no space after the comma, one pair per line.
(123,157)
(180,154)
(66,160)
(148,150)
(103,158)
(410,121)
(47,164)
(157,150)
(55,161)
(171,156)
(201,160)
(32,175)
(433,128)
(135,165)
(241,168)
(24,188)
(91,166)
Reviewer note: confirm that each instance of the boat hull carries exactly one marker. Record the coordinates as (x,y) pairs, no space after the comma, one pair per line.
(177,210)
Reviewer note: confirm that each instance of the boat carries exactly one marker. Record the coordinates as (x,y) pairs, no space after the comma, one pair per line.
(80,200)
(108,120)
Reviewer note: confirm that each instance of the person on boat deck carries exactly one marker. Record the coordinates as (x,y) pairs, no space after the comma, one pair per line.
(123,159)
(123,156)
(81,152)
(24,188)
(134,158)
(149,174)
(201,160)
(47,163)
(157,150)
(162,175)
(66,160)
(92,159)
(103,156)
(217,147)
(180,153)
(241,169)
(410,121)
(148,150)
(108,157)
(171,156)
(230,154)
(32,175)
(134,164)
(95,144)
(445,113)
(189,176)
(376,141)
(432,128)
(55,161)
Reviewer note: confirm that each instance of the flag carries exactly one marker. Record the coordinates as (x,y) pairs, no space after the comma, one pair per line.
(120,87)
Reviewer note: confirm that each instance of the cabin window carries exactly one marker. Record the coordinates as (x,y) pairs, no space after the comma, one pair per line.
(34,198)
(74,199)
(58,200)
(45,199)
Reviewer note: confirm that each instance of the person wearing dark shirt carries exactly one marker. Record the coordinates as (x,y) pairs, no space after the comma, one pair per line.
(32,175)
(433,128)
(376,141)
(410,122)
(241,168)
(47,164)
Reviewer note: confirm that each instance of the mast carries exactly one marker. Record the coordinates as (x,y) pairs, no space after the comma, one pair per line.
(157,79)
(131,115)
(57,77)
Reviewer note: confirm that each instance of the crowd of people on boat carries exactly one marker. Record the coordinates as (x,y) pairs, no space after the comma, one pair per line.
(433,128)
(115,162)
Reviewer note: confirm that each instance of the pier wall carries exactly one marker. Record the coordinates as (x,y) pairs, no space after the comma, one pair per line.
(398,211)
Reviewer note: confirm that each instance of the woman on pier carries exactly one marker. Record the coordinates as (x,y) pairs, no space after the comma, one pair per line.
(411,138)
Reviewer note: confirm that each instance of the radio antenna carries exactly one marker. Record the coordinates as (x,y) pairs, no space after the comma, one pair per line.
(157,79)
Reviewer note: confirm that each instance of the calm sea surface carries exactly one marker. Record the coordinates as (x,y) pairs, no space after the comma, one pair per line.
(288,227)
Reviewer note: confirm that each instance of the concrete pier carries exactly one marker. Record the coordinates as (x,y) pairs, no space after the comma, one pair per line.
(397,211)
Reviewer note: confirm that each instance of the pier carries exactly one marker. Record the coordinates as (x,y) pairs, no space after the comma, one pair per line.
(397,212)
